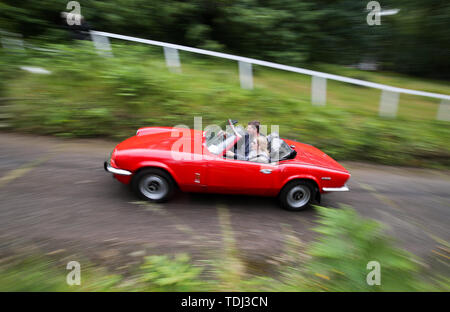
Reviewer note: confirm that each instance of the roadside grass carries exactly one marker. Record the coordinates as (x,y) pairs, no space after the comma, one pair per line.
(40,273)
(91,96)
(336,261)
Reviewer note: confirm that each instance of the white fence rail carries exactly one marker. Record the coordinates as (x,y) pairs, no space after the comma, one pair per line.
(388,101)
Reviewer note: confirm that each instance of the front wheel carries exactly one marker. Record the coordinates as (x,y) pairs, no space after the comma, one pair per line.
(153,185)
(296,195)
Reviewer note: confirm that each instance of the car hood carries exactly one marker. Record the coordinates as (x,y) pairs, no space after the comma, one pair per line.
(308,154)
(161,138)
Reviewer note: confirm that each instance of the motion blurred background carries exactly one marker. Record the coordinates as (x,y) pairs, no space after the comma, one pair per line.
(53,82)
(297,33)
(89,95)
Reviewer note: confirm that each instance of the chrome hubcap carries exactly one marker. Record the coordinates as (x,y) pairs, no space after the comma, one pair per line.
(298,196)
(153,187)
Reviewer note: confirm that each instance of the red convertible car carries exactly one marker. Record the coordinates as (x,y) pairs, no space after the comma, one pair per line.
(153,163)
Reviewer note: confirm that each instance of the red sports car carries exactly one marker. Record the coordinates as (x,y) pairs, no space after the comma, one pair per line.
(157,161)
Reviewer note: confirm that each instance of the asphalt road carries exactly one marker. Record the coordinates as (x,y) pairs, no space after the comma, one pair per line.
(55,194)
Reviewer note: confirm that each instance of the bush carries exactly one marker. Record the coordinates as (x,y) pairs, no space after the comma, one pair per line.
(42,273)
(336,261)
(162,273)
(347,243)
(88,95)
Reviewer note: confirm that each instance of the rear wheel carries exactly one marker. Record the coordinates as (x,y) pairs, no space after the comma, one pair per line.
(153,185)
(297,195)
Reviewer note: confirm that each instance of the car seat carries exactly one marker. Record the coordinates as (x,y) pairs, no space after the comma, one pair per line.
(273,145)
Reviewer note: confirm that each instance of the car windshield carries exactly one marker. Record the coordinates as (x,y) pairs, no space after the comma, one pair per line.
(217,144)
(217,141)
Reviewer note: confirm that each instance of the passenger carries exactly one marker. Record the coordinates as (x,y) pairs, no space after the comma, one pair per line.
(259,152)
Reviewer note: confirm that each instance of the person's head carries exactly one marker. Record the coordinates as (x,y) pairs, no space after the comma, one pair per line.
(259,144)
(253,128)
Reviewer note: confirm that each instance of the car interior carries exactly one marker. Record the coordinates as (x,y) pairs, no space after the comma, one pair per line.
(219,141)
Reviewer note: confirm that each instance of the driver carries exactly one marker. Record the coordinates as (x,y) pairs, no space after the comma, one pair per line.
(242,148)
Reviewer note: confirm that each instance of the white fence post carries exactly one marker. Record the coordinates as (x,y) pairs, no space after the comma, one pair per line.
(318,91)
(389,97)
(444,111)
(101,44)
(172,59)
(388,103)
(246,75)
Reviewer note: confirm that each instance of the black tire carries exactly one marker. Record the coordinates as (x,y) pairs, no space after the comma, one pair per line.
(154,185)
(297,195)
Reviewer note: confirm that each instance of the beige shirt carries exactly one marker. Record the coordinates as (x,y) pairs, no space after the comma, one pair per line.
(261,157)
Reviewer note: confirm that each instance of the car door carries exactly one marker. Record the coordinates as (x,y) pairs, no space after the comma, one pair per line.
(226,175)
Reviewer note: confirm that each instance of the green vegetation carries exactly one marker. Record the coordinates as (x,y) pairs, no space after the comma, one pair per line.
(345,244)
(87,95)
(335,262)
(293,32)
(42,273)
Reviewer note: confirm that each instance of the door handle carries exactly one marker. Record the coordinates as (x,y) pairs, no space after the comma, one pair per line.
(266,171)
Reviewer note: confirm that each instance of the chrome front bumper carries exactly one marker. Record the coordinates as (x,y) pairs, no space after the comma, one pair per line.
(108,168)
(336,189)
